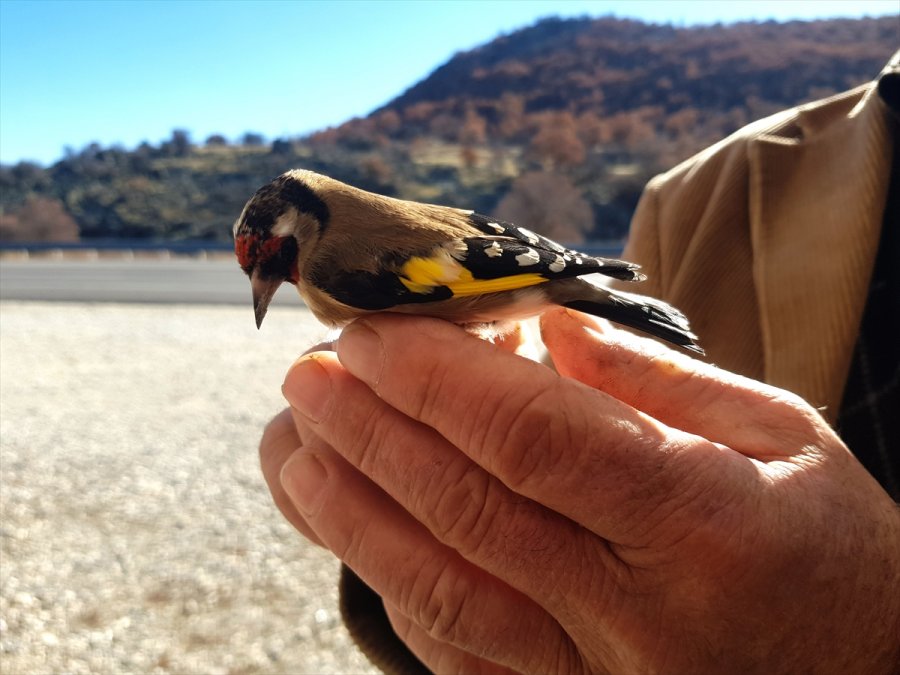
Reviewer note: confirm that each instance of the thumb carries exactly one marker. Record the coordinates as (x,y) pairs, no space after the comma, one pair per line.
(682,392)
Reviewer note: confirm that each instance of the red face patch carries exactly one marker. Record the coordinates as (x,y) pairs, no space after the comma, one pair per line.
(245,247)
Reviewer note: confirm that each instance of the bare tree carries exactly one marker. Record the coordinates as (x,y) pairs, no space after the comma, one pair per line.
(557,142)
(39,219)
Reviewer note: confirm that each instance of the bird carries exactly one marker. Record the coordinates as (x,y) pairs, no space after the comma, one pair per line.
(350,252)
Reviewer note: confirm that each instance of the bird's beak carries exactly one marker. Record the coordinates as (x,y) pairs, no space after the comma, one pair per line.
(263,290)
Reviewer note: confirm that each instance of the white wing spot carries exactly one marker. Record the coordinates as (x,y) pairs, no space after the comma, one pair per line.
(577,260)
(493,251)
(529,235)
(530,257)
(558,264)
(496,228)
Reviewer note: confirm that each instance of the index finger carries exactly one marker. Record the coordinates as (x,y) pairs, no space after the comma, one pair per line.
(572,448)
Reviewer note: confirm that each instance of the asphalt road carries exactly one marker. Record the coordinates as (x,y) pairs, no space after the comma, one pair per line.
(183,280)
(136,532)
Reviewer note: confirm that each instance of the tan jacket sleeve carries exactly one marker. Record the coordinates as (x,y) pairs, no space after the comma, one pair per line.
(766,241)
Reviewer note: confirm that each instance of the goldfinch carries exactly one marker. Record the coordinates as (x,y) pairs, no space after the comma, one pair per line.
(351,252)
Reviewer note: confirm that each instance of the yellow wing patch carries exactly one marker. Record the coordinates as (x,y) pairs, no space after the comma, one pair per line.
(422,275)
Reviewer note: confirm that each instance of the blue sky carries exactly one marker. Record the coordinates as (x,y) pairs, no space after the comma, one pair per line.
(74,71)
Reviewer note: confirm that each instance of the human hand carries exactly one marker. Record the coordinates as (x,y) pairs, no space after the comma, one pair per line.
(288,431)
(659,515)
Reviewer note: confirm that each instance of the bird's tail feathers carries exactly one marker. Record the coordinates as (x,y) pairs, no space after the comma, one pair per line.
(639,312)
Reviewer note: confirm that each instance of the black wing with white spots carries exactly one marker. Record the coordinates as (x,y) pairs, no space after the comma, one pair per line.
(506,252)
(509,250)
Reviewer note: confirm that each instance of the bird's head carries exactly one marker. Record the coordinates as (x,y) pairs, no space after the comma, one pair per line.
(281,221)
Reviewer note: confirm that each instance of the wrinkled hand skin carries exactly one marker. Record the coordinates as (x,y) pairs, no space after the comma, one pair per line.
(639,512)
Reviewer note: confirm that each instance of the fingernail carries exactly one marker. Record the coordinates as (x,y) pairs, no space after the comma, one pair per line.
(361,351)
(303,478)
(307,388)
(320,347)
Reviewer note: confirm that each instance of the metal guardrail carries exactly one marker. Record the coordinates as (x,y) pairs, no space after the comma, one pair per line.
(177,247)
(599,248)
(155,272)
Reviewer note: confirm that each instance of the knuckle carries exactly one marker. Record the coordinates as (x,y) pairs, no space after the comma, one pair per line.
(692,506)
(424,402)
(437,603)
(350,547)
(531,441)
(362,426)
(465,509)
(794,422)
(478,516)
(363,439)
(798,408)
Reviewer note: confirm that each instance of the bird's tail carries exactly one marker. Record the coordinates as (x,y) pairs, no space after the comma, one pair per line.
(636,311)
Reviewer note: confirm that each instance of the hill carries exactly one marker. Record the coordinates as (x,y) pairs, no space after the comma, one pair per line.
(608,66)
(557,126)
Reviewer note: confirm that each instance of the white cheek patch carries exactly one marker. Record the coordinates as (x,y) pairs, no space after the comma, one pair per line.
(530,257)
(284,226)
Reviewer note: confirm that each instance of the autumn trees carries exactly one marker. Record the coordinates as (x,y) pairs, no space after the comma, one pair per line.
(558,126)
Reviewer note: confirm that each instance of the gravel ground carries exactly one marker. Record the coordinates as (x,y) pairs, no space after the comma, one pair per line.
(136,533)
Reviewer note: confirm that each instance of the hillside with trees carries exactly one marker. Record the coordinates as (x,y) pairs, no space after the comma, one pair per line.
(557,126)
